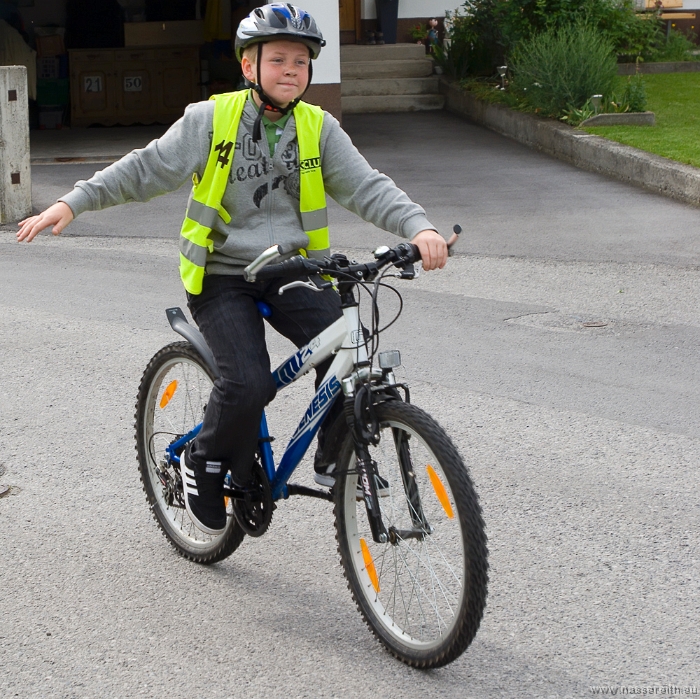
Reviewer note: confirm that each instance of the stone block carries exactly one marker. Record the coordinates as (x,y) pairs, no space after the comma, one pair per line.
(16,184)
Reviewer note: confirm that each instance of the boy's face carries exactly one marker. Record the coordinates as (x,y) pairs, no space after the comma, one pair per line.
(284,70)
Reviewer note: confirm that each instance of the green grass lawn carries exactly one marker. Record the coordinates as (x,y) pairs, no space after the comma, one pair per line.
(675,99)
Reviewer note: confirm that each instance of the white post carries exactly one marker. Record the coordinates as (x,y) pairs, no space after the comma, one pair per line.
(15,173)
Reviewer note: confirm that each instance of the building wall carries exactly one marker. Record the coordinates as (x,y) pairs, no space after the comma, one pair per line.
(327,66)
(325,89)
(415,8)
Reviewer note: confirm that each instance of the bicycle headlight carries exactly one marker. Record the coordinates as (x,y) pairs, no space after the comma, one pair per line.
(389,359)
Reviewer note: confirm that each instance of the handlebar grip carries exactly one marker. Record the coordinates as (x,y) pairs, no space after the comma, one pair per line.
(294,266)
(408,252)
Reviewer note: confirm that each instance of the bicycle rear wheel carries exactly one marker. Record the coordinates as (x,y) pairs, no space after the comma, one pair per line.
(171,401)
(423,594)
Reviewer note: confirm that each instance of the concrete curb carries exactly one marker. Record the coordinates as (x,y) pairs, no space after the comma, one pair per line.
(621,119)
(661,175)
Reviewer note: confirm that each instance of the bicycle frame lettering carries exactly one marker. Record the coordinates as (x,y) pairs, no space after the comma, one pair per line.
(343,339)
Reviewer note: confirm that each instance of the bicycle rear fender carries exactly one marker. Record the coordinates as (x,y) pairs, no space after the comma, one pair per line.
(179,324)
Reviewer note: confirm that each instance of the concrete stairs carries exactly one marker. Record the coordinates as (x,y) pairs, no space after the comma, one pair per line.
(387,78)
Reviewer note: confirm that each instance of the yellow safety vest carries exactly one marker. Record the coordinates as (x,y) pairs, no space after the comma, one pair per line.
(205,210)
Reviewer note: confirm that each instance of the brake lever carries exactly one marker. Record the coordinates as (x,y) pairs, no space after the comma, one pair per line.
(308,285)
(409,272)
(297,284)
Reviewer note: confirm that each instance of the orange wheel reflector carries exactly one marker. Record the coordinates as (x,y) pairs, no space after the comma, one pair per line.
(369,565)
(440,491)
(227,500)
(168,394)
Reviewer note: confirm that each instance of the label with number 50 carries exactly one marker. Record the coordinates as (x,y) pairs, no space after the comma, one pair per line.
(133,83)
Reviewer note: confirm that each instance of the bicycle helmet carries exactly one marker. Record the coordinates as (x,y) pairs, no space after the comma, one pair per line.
(277,21)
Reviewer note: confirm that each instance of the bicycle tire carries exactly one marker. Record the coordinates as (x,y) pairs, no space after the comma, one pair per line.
(160,419)
(404,572)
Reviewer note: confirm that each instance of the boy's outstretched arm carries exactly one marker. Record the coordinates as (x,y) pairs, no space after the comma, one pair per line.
(161,166)
(432,247)
(56,217)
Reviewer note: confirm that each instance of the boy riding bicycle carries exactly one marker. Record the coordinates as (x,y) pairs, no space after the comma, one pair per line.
(263,162)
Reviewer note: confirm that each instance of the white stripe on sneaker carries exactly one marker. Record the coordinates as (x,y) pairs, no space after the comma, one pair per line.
(189,487)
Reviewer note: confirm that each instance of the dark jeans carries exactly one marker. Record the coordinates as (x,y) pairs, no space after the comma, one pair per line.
(231,323)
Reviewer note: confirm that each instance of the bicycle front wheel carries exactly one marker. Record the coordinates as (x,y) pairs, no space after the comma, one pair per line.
(422,592)
(171,401)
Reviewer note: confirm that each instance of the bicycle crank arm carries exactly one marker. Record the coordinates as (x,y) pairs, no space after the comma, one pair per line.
(239,494)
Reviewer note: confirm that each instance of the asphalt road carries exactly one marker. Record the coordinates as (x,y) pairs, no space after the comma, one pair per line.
(583,443)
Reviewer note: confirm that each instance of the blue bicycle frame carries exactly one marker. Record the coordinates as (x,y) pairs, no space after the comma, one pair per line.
(344,339)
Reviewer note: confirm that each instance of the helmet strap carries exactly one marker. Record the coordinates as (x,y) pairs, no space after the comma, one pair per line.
(266,103)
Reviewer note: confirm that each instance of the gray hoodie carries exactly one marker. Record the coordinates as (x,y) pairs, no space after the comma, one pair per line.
(263,193)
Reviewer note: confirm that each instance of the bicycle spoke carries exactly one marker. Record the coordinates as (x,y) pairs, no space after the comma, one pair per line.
(416,582)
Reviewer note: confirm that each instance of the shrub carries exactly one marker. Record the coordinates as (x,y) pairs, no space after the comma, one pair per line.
(633,35)
(456,55)
(488,30)
(676,48)
(559,69)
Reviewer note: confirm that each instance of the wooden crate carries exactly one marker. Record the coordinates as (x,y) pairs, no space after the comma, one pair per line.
(129,86)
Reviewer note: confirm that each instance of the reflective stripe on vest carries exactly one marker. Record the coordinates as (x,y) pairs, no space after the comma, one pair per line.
(312,196)
(204,209)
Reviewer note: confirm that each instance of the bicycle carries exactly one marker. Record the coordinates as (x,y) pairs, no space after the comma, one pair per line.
(415,559)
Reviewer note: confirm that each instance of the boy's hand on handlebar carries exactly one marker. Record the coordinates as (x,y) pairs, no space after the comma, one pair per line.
(432,248)
(56,217)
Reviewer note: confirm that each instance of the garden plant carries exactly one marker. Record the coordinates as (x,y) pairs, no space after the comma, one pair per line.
(483,34)
(561,67)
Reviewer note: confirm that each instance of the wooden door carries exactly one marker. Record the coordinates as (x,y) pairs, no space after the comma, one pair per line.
(349,15)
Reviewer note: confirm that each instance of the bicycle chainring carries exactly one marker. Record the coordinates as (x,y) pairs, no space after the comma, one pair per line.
(254,512)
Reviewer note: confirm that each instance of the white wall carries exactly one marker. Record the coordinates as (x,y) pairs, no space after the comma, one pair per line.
(327,66)
(415,8)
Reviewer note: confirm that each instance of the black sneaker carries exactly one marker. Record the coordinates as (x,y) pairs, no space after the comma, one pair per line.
(323,475)
(204,497)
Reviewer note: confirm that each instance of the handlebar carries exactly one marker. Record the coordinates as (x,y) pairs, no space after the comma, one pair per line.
(402,256)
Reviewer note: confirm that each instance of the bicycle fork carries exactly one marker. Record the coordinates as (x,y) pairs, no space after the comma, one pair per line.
(367,474)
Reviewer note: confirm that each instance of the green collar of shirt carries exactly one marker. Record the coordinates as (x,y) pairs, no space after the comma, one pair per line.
(273,129)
